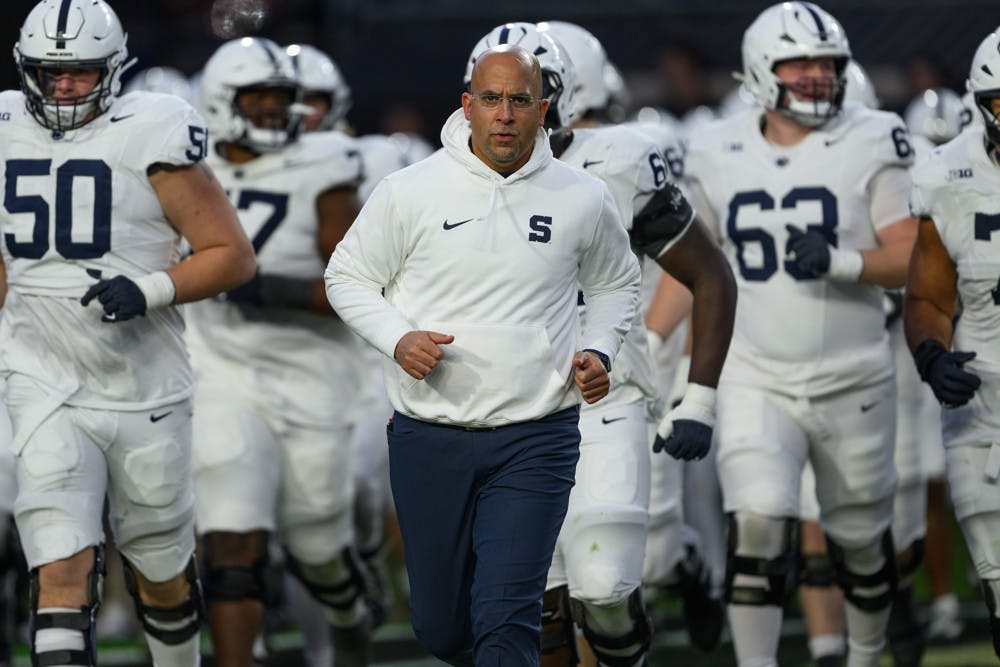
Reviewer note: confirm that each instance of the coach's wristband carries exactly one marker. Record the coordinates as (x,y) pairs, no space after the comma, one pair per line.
(157,288)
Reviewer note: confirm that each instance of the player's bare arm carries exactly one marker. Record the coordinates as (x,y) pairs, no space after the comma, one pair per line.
(3,282)
(336,210)
(887,265)
(199,210)
(931,292)
(670,306)
(698,263)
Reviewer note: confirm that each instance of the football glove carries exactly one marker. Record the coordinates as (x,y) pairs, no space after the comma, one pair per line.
(812,254)
(123,298)
(686,432)
(952,385)
(273,290)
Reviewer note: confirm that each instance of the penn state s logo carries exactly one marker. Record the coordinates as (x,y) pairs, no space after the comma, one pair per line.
(541,228)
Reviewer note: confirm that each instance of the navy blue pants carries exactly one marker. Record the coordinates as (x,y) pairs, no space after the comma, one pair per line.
(480,512)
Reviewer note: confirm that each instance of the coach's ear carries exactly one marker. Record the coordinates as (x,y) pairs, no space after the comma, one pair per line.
(467,105)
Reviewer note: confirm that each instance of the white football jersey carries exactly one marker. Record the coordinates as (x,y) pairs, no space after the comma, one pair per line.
(275,197)
(381,156)
(794,333)
(957,188)
(79,207)
(631,165)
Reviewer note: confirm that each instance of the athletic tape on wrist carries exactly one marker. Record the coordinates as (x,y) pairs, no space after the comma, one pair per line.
(158,288)
(845,265)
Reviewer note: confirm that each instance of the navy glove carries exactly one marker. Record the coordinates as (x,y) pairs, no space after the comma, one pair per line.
(120,297)
(272,290)
(809,251)
(248,292)
(952,385)
(686,432)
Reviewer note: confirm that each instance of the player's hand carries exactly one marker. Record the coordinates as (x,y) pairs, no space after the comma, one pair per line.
(120,297)
(953,386)
(591,376)
(418,352)
(686,432)
(809,251)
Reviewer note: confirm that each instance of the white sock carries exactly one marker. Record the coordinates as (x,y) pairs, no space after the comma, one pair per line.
(58,639)
(865,635)
(185,654)
(307,613)
(756,631)
(823,645)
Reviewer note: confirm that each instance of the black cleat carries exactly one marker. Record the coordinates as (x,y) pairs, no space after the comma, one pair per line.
(704,614)
(905,634)
(833,660)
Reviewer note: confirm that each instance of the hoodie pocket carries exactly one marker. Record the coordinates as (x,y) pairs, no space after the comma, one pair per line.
(490,372)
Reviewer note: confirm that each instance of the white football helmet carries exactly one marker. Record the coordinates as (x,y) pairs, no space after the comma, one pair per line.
(558,73)
(969,114)
(319,75)
(984,83)
(589,61)
(619,97)
(858,87)
(248,63)
(789,31)
(936,113)
(161,80)
(70,34)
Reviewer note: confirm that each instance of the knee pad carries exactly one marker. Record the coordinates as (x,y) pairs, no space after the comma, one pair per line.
(909,559)
(558,636)
(760,559)
(869,592)
(339,586)
(170,625)
(816,570)
(235,583)
(625,650)
(82,621)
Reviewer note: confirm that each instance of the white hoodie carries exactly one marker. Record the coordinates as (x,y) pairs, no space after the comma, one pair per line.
(494,261)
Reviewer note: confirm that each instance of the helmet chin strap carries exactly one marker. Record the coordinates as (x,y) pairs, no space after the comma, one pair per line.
(814,113)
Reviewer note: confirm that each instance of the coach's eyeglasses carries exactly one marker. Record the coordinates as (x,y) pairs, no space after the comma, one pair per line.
(494,100)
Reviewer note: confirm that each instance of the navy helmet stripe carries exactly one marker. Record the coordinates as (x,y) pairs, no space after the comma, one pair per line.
(270,55)
(61,22)
(63,16)
(504,35)
(819,21)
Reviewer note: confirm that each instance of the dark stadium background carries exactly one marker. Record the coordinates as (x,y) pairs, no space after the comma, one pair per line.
(404,58)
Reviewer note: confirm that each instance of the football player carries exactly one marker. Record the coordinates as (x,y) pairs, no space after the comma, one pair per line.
(599,588)
(956,261)
(274,401)
(809,199)
(99,382)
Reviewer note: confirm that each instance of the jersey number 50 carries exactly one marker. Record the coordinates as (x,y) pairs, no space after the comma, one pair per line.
(66,175)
